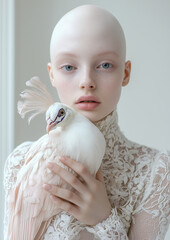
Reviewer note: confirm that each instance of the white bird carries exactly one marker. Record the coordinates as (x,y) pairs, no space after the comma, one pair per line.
(70,134)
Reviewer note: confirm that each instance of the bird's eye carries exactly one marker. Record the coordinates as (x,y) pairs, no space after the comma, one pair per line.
(62,112)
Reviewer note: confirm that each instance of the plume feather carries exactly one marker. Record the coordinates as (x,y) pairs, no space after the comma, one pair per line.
(34,101)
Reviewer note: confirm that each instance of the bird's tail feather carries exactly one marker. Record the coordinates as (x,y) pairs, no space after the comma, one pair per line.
(34,101)
(43,228)
(24,230)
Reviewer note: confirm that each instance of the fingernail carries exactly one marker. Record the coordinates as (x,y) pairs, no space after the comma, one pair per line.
(62,159)
(50,165)
(47,186)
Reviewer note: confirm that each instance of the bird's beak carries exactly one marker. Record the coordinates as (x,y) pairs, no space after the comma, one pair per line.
(49,126)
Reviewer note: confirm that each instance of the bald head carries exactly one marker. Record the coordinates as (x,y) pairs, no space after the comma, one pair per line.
(90,24)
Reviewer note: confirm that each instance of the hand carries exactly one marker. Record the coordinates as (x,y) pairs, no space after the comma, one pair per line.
(88,201)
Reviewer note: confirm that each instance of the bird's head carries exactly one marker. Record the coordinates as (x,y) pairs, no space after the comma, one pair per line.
(56,115)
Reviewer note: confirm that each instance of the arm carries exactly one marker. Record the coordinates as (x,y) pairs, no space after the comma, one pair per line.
(88,203)
(150,219)
(152,215)
(110,228)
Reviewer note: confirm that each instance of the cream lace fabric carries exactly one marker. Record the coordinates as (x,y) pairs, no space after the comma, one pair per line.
(137,180)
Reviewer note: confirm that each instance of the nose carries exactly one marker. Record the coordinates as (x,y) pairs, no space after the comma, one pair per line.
(87,81)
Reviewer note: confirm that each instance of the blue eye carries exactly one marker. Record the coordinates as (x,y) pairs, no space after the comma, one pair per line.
(106,65)
(68,68)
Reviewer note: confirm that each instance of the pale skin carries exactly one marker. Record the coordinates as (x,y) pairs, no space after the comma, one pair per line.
(80,66)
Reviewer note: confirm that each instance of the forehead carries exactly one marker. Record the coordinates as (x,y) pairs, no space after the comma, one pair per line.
(95,30)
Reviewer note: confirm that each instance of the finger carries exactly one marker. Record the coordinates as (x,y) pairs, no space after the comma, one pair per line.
(67,177)
(79,168)
(65,206)
(63,193)
(99,175)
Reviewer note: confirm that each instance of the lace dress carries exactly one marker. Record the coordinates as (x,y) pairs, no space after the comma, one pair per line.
(137,182)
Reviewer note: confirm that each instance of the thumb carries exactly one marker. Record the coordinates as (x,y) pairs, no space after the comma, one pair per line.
(99,175)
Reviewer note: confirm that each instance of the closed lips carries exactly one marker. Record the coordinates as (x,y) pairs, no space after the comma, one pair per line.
(88,99)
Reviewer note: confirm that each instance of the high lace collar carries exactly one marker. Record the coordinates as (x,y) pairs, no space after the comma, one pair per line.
(109,126)
(115,139)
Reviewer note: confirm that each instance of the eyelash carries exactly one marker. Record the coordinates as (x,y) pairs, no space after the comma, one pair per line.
(110,66)
(67,66)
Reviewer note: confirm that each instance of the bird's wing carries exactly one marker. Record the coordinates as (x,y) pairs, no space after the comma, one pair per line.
(42,144)
(35,100)
(30,205)
(43,229)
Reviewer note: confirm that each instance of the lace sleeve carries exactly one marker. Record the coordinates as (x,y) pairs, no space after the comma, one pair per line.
(111,228)
(151,217)
(13,164)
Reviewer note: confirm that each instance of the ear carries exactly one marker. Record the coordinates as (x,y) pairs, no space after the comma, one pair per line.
(127,72)
(50,72)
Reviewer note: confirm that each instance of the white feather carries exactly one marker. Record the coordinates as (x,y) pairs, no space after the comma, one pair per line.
(34,101)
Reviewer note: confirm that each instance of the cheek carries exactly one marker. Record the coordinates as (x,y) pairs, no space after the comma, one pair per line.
(112,93)
(64,90)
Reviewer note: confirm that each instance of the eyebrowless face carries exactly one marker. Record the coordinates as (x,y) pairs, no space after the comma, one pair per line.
(88,66)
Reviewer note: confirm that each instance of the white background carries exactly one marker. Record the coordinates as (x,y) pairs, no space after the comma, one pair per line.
(144,108)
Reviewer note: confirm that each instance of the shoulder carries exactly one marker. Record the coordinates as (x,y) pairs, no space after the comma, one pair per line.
(151,174)
(151,158)
(14,162)
(149,166)
(144,157)
(160,167)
